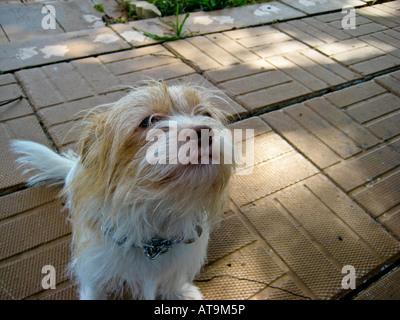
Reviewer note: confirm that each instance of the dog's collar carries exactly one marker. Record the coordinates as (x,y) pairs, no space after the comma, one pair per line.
(156,246)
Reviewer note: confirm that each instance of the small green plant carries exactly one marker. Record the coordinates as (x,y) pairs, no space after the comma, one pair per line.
(177,28)
(98,7)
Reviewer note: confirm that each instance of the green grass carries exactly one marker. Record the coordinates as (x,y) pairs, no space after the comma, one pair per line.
(168,7)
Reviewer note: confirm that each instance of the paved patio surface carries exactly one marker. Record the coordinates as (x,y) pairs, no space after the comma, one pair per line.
(324,102)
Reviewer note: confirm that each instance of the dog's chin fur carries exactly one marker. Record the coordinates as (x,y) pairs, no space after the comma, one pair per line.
(110,186)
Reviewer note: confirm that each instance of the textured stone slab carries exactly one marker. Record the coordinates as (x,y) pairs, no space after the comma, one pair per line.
(380,196)
(253,266)
(344,233)
(37,227)
(319,6)
(77,15)
(384,289)
(365,168)
(270,176)
(20,21)
(312,147)
(64,46)
(343,122)
(354,94)
(23,277)
(320,128)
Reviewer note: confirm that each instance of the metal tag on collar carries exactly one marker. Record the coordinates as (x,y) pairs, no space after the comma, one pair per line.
(156,247)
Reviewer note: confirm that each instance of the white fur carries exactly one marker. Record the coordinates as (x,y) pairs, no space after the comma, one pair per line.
(52,166)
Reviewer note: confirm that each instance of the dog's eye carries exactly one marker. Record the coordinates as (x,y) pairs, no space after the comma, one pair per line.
(207,114)
(147,122)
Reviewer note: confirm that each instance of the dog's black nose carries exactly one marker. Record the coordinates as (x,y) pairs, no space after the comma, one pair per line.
(203,130)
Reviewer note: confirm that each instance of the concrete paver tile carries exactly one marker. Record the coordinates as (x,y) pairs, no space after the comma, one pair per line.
(21,201)
(307,143)
(386,127)
(254,268)
(190,52)
(343,122)
(269,37)
(380,16)
(297,73)
(238,70)
(273,95)
(23,277)
(364,168)
(314,6)
(255,123)
(164,72)
(40,225)
(141,63)
(282,289)
(7,79)
(232,47)
(255,82)
(354,94)
(380,196)
(10,92)
(374,107)
(299,252)
(365,29)
(39,88)
(68,81)
(391,82)
(230,237)
(68,291)
(222,56)
(61,47)
(320,128)
(69,111)
(341,46)
(15,109)
(64,127)
(392,222)
(384,288)
(77,15)
(96,74)
(279,48)
(326,229)
(23,22)
(376,64)
(376,238)
(270,176)
(358,55)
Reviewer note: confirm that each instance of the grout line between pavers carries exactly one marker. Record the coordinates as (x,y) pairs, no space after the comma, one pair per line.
(38,118)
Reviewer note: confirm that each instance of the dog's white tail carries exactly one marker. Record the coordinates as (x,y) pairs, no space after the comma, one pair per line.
(51,165)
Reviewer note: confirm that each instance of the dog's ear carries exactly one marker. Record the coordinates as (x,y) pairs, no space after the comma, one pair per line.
(93,135)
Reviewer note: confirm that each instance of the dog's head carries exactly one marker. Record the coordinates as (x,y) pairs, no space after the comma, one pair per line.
(158,143)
